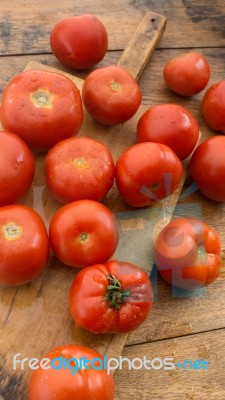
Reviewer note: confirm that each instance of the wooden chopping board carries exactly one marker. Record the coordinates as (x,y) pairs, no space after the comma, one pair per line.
(35,317)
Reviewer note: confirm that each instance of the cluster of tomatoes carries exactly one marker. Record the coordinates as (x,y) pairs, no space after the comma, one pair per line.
(43,111)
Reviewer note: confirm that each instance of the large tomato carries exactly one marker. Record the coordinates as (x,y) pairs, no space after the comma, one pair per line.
(79,42)
(172,125)
(42,108)
(71,372)
(146,173)
(187,253)
(79,168)
(115,297)
(24,245)
(213,107)
(83,233)
(17,168)
(207,168)
(111,95)
(187,74)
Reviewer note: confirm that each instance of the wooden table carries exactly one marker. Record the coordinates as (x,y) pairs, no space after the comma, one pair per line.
(182,328)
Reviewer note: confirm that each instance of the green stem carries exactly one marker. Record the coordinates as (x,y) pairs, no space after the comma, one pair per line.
(115,295)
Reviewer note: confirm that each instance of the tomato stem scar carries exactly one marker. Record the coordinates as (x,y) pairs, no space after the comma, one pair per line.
(155,186)
(115,86)
(80,163)
(41,99)
(11,231)
(115,294)
(83,236)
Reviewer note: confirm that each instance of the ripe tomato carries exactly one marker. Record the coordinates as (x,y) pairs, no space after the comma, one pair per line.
(146,173)
(79,42)
(111,95)
(172,125)
(213,107)
(207,168)
(17,168)
(24,245)
(187,253)
(83,233)
(73,373)
(187,74)
(42,108)
(79,168)
(116,297)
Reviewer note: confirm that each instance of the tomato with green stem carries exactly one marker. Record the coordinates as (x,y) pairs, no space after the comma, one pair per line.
(113,297)
(187,253)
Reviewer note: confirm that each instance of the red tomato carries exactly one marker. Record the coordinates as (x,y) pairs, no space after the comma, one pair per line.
(213,107)
(187,74)
(146,173)
(17,168)
(42,108)
(207,168)
(187,253)
(83,233)
(79,42)
(172,125)
(79,168)
(111,95)
(83,376)
(115,297)
(24,245)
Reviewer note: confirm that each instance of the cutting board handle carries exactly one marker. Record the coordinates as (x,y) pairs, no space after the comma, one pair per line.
(143,43)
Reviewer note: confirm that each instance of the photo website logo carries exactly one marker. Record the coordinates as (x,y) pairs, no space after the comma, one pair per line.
(108,364)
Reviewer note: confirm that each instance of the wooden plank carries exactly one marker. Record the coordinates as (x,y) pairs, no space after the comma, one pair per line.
(25,25)
(178,383)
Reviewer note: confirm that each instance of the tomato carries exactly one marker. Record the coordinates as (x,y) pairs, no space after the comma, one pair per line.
(146,173)
(187,74)
(24,245)
(111,95)
(172,125)
(83,233)
(17,168)
(187,253)
(79,168)
(72,373)
(42,108)
(213,107)
(79,42)
(115,297)
(207,168)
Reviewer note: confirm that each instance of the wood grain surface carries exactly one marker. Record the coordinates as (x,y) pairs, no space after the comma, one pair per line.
(180,327)
(26,24)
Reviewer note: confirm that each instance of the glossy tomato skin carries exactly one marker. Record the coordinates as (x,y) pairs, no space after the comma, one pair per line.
(187,74)
(187,253)
(146,173)
(207,168)
(213,107)
(111,95)
(42,108)
(24,245)
(17,168)
(67,384)
(83,233)
(79,168)
(172,125)
(79,42)
(92,311)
